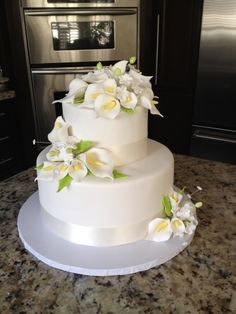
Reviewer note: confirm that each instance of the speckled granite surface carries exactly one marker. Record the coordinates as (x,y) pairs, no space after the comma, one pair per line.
(201,279)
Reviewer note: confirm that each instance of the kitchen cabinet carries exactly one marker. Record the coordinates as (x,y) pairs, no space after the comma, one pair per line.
(10,151)
(169,52)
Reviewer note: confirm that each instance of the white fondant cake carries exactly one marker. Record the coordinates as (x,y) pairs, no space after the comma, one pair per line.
(84,197)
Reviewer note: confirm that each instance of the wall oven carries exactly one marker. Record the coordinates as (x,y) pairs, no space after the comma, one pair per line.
(67,38)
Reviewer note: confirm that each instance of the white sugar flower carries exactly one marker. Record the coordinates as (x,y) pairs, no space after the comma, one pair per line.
(107,106)
(149,104)
(53,154)
(125,80)
(97,76)
(110,87)
(190,225)
(66,153)
(60,131)
(119,68)
(159,230)
(62,170)
(77,170)
(127,98)
(99,162)
(140,80)
(186,212)
(175,199)
(77,89)
(92,92)
(177,227)
(47,172)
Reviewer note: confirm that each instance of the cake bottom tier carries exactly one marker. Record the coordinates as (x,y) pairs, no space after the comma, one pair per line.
(103,212)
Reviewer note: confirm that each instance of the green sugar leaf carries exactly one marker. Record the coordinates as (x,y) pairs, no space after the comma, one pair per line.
(82,147)
(66,181)
(39,167)
(127,110)
(167,206)
(117,174)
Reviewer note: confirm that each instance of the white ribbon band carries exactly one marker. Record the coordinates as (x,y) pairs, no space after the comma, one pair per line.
(94,236)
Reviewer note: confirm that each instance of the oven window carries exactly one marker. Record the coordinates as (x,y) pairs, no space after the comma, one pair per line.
(81,1)
(83,35)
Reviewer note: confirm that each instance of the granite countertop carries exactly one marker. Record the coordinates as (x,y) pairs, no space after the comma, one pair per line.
(201,279)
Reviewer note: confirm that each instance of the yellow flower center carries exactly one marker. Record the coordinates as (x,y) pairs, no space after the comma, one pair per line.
(91,159)
(77,167)
(109,89)
(93,96)
(162,225)
(128,99)
(48,168)
(63,168)
(109,105)
(176,223)
(58,125)
(154,102)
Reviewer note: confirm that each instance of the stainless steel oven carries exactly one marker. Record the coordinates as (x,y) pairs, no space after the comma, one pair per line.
(80,34)
(64,38)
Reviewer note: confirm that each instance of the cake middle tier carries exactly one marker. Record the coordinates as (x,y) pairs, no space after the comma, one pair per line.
(125,136)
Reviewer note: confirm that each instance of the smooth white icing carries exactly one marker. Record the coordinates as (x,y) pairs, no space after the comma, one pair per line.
(100,203)
(125,136)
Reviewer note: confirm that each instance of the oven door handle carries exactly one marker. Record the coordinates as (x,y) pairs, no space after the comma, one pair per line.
(79,12)
(62,70)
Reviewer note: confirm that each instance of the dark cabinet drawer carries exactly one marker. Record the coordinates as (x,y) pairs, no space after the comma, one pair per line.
(10,161)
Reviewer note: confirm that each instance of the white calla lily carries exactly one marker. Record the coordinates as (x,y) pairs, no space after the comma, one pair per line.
(60,131)
(97,76)
(119,68)
(159,230)
(77,88)
(175,199)
(99,162)
(77,170)
(92,92)
(149,104)
(47,172)
(177,227)
(110,87)
(53,154)
(62,170)
(107,106)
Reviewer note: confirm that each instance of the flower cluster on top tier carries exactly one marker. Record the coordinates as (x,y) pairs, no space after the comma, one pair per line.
(110,90)
(180,218)
(70,158)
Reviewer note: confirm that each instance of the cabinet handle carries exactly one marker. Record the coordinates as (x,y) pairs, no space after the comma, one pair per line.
(157,49)
(218,137)
(2,139)
(2,114)
(5,161)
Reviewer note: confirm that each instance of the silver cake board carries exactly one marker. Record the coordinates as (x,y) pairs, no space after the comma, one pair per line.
(87,260)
